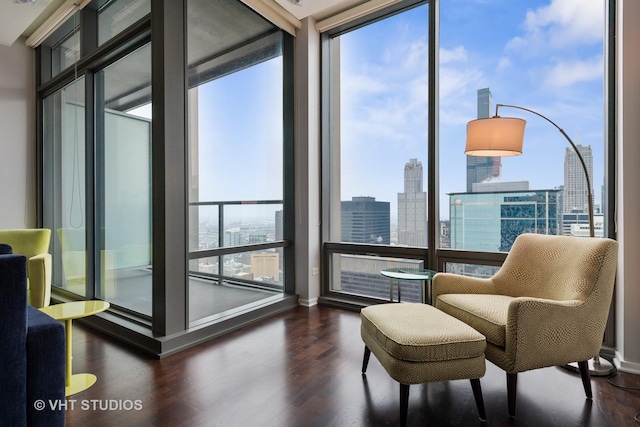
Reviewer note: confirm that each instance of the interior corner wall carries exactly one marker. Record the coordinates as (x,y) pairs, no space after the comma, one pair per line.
(17,138)
(307,163)
(627,179)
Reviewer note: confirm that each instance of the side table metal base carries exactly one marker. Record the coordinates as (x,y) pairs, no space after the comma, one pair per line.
(79,382)
(598,367)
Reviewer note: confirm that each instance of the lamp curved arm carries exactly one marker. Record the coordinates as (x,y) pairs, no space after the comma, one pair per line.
(582,162)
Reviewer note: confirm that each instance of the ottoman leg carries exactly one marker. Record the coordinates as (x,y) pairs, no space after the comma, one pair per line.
(477,394)
(404,403)
(365,360)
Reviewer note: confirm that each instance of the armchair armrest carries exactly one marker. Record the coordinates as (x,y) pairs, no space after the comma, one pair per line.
(449,283)
(549,332)
(39,269)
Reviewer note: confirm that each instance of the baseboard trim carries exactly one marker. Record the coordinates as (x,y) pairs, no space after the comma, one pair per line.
(308,302)
(625,366)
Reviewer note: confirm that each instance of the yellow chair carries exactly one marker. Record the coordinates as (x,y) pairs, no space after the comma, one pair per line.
(546,306)
(34,245)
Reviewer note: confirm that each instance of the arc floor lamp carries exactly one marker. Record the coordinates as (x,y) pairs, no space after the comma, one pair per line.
(504,136)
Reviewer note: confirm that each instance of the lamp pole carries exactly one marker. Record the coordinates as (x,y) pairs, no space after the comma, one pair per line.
(582,162)
(597,367)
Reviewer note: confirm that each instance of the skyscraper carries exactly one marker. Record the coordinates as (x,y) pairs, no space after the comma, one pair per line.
(482,169)
(576,196)
(491,221)
(366,221)
(279,233)
(412,207)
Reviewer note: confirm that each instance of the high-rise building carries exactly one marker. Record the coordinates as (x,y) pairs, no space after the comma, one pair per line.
(233,237)
(366,221)
(490,222)
(266,266)
(412,207)
(483,169)
(576,195)
(279,233)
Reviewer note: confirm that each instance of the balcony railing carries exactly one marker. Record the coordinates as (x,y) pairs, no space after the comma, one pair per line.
(227,247)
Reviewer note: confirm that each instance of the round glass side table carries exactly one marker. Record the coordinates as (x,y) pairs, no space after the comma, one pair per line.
(400,274)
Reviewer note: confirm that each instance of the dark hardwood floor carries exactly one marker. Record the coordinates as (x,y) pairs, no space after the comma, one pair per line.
(302,368)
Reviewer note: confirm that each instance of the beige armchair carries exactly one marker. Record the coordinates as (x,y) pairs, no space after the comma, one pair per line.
(34,245)
(547,305)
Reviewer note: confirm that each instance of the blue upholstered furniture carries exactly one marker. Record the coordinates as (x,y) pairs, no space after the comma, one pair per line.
(32,358)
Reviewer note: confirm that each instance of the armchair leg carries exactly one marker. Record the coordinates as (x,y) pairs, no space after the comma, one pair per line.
(477,394)
(586,377)
(512,380)
(365,360)
(404,403)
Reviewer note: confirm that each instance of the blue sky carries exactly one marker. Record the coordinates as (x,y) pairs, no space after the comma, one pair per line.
(240,126)
(542,55)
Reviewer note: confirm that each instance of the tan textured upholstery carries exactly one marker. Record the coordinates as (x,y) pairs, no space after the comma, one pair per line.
(419,333)
(547,305)
(417,343)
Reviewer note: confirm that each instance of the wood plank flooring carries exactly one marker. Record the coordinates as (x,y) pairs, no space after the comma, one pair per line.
(302,368)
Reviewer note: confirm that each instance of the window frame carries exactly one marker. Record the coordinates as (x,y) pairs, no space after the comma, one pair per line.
(330,152)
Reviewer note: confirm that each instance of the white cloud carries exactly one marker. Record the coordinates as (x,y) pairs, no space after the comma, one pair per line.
(504,63)
(567,73)
(363,84)
(458,54)
(456,85)
(458,77)
(387,100)
(416,56)
(562,23)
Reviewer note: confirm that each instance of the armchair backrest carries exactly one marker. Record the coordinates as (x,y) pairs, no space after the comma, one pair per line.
(27,242)
(558,267)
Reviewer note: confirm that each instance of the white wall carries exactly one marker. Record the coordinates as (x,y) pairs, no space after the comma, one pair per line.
(17,137)
(628,191)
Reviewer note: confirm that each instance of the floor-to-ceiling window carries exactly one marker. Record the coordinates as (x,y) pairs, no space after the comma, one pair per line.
(236,151)
(380,95)
(375,149)
(64,184)
(123,182)
(96,144)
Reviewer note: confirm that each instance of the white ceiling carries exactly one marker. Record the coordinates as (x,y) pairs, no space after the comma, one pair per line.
(311,7)
(15,18)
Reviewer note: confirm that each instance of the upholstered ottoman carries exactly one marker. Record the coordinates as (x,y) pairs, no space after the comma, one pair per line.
(417,343)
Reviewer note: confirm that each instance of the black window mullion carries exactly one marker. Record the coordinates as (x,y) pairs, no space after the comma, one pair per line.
(95,180)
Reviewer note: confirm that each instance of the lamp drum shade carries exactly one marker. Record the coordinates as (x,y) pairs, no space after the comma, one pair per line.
(495,137)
